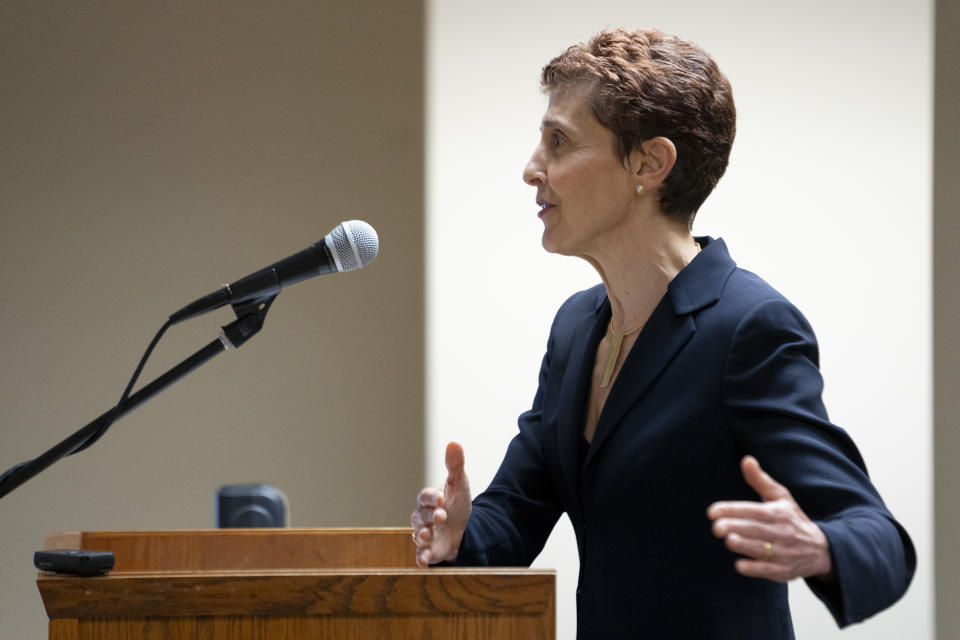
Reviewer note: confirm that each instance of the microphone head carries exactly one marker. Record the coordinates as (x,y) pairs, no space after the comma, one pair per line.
(354,244)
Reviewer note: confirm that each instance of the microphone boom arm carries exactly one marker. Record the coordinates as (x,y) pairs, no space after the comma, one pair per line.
(250,317)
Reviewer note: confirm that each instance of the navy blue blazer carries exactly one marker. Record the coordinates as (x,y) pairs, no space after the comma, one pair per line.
(724,367)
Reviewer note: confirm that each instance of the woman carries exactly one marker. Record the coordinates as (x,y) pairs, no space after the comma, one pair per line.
(666,387)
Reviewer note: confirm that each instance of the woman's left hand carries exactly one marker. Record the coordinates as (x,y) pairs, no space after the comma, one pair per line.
(778,539)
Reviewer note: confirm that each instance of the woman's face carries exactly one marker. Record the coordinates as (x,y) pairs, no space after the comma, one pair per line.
(584,188)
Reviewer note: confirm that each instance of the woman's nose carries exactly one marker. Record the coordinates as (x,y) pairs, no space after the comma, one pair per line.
(534,173)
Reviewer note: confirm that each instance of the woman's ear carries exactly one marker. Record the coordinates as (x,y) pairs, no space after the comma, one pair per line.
(653,161)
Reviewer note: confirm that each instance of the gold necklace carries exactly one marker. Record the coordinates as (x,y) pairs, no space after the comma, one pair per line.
(613,354)
(616,343)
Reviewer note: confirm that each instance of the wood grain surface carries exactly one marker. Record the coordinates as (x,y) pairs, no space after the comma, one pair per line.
(291,592)
(459,627)
(228,549)
(288,583)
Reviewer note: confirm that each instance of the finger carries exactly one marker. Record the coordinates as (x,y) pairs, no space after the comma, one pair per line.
(745,528)
(416,519)
(454,460)
(427,517)
(760,480)
(430,497)
(760,511)
(422,517)
(422,535)
(425,556)
(760,569)
(754,548)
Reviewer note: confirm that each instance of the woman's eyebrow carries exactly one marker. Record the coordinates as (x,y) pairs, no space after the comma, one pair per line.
(550,123)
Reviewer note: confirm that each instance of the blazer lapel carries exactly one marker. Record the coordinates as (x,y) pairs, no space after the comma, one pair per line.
(574,391)
(663,336)
(670,327)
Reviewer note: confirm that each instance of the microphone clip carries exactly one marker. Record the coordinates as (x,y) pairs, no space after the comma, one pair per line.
(251,314)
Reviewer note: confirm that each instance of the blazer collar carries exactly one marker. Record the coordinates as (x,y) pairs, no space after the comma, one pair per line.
(698,285)
(701,282)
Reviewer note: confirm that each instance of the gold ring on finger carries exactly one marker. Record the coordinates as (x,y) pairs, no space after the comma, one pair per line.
(767,551)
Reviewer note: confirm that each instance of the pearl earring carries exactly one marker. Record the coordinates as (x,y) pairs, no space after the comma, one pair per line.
(639,188)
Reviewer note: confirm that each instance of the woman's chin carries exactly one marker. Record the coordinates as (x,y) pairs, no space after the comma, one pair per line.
(549,243)
(552,244)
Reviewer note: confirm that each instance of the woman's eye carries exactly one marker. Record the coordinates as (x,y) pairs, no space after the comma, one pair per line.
(556,140)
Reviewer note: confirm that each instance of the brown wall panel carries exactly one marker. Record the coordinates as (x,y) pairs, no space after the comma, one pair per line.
(946,317)
(151,151)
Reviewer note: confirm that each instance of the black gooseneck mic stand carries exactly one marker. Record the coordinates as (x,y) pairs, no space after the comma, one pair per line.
(250,317)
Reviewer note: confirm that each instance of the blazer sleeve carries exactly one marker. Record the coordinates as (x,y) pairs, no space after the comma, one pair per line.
(511,520)
(772,399)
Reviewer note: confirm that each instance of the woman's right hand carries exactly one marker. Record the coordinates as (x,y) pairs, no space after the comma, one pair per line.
(441,515)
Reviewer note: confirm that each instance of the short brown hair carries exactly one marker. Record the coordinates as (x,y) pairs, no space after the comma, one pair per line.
(646,83)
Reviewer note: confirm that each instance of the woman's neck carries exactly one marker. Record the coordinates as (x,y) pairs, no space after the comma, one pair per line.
(637,266)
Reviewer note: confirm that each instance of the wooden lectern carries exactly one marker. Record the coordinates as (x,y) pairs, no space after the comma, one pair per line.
(287,583)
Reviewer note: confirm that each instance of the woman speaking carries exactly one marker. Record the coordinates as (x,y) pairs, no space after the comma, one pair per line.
(678,419)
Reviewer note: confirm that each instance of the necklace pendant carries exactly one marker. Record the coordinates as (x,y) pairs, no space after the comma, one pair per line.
(612,356)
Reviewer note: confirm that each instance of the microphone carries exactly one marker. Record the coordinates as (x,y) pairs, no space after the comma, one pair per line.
(352,244)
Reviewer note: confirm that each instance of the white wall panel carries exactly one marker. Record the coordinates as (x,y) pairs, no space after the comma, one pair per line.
(827,197)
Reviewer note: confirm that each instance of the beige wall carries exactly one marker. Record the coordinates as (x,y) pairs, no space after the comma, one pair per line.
(150,151)
(946,318)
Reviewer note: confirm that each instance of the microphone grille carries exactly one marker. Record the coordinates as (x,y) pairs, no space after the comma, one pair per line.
(356,244)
